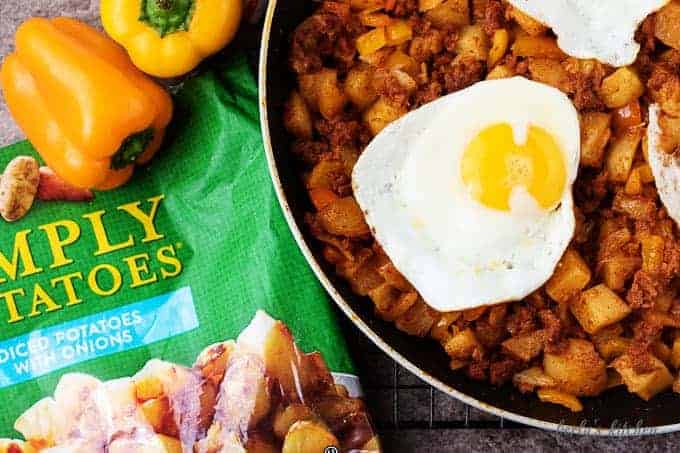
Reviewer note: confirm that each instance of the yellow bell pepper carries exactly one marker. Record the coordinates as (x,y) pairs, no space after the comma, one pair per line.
(168,38)
(81,102)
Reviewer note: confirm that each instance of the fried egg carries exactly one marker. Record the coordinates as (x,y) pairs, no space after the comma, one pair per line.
(665,167)
(470,195)
(600,29)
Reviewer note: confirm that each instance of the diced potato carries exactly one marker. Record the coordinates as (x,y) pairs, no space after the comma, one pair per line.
(462,345)
(309,437)
(403,62)
(373,19)
(550,72)
(621,87)
(598,307)
(638,208)
(595,134)
(473,42)
(571,276)
(500,71)
(449,14)
(440,330)
(322,197)
(426,5)
(148,387)
(371,41)
(626,117)
(533,377)
(343,217)
(382,113)
(321,92)
(418,319)
(325,174)
(385,297)
(675,353)
(621,154)
(537,46)
(610,348)
(361,5)
(670,137)
(633,183)
(155,411)
(666,24)
(499,45)
(286,417)
(551,395)
(359,86)
(296,117)
(530,25)
(619,268)
(398,32)
(652,253)
(525,347)
(578,369)
(645,385)
(171,444)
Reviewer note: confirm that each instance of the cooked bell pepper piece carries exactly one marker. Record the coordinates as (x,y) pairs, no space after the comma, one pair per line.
(81,102)
(168,38)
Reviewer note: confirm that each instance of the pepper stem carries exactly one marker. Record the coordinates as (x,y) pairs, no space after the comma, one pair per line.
(167,16)
(131,149)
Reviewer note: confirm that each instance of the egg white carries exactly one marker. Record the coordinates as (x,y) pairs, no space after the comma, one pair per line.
(600,29)
(665,167)
(458,253)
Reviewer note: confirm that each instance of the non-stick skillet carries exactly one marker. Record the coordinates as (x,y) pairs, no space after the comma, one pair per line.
(616,412)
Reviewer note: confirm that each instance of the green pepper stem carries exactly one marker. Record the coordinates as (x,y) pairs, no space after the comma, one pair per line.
(131,149)
(167,16)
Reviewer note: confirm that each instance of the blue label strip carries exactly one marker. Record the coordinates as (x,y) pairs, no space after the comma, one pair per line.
(42,351)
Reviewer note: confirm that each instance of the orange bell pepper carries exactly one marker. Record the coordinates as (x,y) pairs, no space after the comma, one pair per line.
(81,102)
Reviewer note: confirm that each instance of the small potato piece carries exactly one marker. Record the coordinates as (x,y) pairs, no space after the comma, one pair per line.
(645,385)
(382,113)
(361,5)
(155,411)
(571,276)
(499,45)
(598,307)
(610,348)
(621,154)
(578,370)
(296,117)
(550,395)
(373,19)
(426,5)
(617,269)
(170,444)
(148,387)
(500,71)
(343,217)
(525,347)
(450,14)
(359,86)
(473,42)
(462,345)
(652,253)
(595,134)
(626,117)
(309,437)
(533,377)
(530,25)
(371,41)
(18,187)
(331,98)
(666,24)
(403,62)
(537,46)
(550,72)
(621,87)
(325,174)
(398,32)
(284,419)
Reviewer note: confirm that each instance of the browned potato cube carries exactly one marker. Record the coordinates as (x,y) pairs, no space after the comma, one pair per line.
(170,444)
(332,99)
(359,86)
(652,253)
(550,72)
(578,369)
(473,42)
(500,71)
(617,269)
(551,395)
(621,87)
(610,348)
(537,46)
(533,377)
(382,113)
(449,14)
(343,217)
(403,62)
(398,32)
(571,276)
(525,347)
(326,174)
(296,117)
(499,45)
(371,41)
(361,5)
(595,133)
(309,437)
(284,418)
(645,385)
(598,307)
(426,5)
(462,345)
(666,24)
(530,25)
(622,153)
(148,387)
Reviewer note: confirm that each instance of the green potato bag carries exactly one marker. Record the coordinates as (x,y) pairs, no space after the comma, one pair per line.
(179,258)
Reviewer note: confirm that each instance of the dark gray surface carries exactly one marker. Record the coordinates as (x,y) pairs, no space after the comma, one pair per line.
(412,416)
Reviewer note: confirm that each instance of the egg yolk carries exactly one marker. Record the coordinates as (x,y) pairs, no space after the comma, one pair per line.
(493,164)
